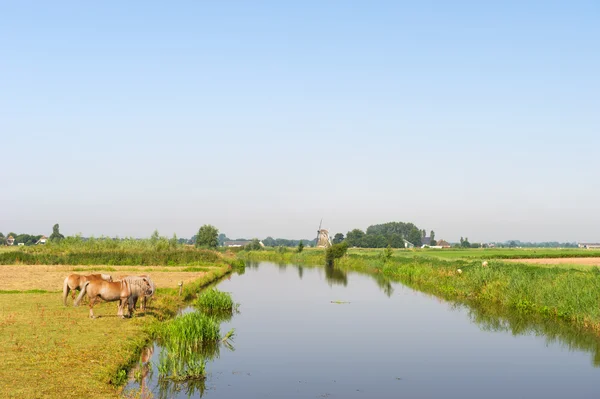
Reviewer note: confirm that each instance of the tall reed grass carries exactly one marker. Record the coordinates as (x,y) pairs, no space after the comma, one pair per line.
(213,300)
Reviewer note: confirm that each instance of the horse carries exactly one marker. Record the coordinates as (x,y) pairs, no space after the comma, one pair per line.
(110,292)
(76,281)
(137,290)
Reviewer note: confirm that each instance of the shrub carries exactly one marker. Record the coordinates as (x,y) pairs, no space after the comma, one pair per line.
(336,251)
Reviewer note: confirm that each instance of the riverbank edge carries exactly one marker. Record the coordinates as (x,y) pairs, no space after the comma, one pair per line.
(169,306)
(565,295)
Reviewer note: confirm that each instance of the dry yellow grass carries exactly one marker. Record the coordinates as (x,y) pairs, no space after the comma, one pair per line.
(51,278)
(48,350)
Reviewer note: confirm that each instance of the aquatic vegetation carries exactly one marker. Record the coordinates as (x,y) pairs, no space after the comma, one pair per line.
(187,333)
(213,300)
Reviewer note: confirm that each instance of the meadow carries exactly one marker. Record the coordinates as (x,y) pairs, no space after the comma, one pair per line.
(49,350)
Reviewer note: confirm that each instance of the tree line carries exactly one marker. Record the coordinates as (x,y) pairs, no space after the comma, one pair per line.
(392,234)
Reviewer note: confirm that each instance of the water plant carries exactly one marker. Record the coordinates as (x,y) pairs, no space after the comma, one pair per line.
(212,300)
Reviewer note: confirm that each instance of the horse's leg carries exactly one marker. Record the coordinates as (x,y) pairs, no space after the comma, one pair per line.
(121,306)
(92,301)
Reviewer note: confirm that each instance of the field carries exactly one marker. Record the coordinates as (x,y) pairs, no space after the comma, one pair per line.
(49,350)
(51,277)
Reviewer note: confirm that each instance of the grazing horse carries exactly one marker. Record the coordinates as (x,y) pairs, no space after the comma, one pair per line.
(107,291)
(76,281)
(138,290)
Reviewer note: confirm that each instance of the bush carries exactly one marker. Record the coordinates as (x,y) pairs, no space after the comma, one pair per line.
(254,245)
(336,251)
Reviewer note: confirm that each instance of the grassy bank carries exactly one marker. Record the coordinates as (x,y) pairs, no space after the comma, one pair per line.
(558,293)
(49,350)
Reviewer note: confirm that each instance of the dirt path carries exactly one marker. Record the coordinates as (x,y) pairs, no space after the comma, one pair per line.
(558,261)
(51,278)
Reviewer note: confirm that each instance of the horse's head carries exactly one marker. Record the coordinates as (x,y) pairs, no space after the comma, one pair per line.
(147,287)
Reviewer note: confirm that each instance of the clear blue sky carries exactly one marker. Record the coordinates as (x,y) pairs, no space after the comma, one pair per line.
(469,118)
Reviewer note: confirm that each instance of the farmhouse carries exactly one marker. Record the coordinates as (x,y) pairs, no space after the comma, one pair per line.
(443,244)
(10,240)
(239,243)
(408,244)
(589,245)
(42,240)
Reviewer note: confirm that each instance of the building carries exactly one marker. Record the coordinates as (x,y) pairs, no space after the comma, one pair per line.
(408,244)
(443,244)
(239,243)
(42,240)
(589,245)
(10,240)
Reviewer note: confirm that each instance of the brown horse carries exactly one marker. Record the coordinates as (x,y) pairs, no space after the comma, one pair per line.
(76,281)
(107,291)
(138,290)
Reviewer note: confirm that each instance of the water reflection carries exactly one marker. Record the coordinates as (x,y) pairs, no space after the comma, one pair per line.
(384,283)
(494,318)
(170,389)
(336,276)
(272,368)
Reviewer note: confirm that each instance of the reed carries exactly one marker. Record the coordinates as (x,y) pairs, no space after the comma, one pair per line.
(213,300)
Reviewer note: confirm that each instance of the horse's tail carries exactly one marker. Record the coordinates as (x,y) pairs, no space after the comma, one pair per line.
(81,294)
(66,290)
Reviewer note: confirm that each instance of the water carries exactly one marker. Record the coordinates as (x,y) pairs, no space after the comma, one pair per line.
(389,341)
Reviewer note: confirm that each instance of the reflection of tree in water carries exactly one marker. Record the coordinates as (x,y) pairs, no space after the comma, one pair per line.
(494,318)
(300,272)
(384,283)
(252,264)
(336,276)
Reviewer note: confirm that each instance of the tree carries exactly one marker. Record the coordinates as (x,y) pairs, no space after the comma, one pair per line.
(222,238)
(173,241)
(387,253)
(208,237)
(254,245)
(2,239)
(339,237)
(154,237)
(465,243)
(334,252)
(300,246)
(432,235)
(354,238)
(56,236)
(414,237)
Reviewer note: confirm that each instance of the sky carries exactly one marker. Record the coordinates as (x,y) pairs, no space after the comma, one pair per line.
(474,119)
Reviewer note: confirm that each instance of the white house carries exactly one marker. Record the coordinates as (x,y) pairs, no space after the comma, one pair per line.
(589,245)
(10,240)
(42,240)
(239,243)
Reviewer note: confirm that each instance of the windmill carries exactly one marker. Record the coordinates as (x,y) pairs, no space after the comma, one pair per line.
(323,240)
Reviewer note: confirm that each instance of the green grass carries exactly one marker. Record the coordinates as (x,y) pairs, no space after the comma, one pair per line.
(212,300)
(187,342)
